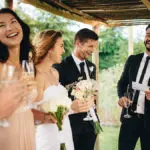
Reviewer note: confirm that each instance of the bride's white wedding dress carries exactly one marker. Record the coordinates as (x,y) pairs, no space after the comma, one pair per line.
(47,135)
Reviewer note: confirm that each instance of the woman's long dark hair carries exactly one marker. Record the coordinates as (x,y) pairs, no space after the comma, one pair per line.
(25,45)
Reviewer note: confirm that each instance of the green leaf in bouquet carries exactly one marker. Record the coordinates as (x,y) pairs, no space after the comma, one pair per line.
(97,128)
(63,146)
(59,114)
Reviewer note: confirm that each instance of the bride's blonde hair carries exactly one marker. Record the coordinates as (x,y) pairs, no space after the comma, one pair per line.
(43,42)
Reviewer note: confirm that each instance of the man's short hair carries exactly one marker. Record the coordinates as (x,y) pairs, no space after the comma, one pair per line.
(147,27)
(85,34)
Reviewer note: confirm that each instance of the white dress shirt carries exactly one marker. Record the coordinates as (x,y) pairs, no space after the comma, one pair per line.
(141,99)
(77,62)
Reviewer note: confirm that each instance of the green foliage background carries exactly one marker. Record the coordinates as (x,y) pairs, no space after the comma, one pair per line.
(46,21)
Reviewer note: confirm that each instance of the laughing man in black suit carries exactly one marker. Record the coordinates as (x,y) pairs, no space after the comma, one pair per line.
(71,68)
(136,70)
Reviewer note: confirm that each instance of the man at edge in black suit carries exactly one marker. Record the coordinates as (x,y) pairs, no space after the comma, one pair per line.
(72,67)
(136,70)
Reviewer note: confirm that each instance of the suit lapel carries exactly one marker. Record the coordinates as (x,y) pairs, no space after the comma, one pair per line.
(73,67)
(135,67)
(73,70)
(91,69)
(88,67)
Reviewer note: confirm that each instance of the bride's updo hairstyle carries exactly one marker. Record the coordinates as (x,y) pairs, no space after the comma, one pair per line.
(43,42)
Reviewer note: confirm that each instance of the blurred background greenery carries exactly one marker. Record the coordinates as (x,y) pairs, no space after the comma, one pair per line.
(109,138)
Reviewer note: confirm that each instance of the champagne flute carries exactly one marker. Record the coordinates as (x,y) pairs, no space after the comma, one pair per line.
(128,95)
(88,116)
(28,70)
(28,74)
(9,75)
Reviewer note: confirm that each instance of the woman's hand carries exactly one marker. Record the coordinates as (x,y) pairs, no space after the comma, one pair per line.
(11,97)
(42,117)
(32,89)
(48,118)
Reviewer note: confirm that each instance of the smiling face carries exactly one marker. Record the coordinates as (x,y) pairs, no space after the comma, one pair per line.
(57,51)
(85,49)
(11,33)
(147,39)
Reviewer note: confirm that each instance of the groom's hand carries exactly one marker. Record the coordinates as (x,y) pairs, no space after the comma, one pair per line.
(79,106)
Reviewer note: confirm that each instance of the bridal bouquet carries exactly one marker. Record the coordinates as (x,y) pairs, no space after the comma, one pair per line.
(57,103)
(86,90)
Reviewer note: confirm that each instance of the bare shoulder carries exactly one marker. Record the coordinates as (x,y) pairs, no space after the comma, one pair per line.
(39,80)
(55,73)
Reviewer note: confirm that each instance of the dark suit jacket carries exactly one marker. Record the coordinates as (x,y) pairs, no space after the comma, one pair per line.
(128,75)
(68,73)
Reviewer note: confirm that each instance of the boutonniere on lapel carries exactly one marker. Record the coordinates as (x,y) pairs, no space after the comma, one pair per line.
(91,68)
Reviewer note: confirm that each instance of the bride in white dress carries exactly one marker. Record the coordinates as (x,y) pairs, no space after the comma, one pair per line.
(48,50)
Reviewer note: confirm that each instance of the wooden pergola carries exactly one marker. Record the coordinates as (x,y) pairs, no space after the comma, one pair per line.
(110,13)
(107,12)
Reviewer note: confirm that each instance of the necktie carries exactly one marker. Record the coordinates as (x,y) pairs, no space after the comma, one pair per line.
(82,70)
(140,81)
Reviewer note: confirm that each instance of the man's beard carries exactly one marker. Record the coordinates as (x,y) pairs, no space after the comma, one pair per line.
(148,49)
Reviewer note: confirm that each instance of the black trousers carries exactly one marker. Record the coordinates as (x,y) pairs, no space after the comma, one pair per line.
(84,141)
(132,129)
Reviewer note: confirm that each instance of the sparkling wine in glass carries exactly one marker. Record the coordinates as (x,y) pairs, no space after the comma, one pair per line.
(128,95)
(28,70)
(28,74)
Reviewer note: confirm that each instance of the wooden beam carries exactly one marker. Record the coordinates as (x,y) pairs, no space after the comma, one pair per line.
(8,4)
(95,60)
(95,55)
(73,10)
(125,16)
(113,10)
(130,40)
(63,13)
(83,4)
(146,3)
(114,23)
(109,7)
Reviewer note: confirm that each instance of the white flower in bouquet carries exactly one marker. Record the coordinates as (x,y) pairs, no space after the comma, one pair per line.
(49,106)
(85,90)
(57,103)
(54,99)
(78,93)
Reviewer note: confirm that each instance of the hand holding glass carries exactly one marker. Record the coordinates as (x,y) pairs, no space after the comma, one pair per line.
(89,116)
(128,104)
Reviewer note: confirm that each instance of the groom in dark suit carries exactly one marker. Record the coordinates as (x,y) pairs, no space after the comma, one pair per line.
(71,68)
(136,72)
